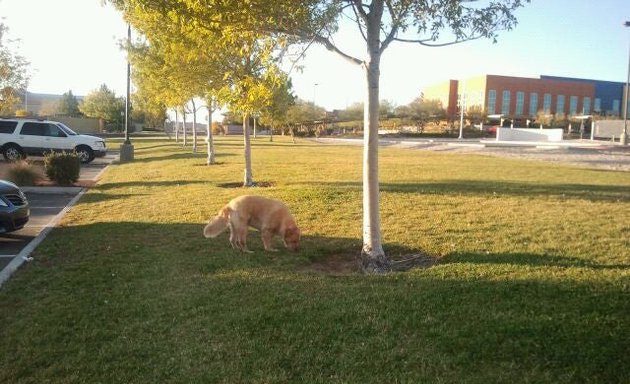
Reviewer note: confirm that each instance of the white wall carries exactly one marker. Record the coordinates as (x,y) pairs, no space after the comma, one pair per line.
(529,134)
(608,128)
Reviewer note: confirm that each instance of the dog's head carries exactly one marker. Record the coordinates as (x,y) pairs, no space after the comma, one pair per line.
(292,238)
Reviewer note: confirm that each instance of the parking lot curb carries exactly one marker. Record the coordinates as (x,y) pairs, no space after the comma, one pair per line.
(24,255)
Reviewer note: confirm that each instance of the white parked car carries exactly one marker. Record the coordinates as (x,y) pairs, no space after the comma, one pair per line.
(20,137)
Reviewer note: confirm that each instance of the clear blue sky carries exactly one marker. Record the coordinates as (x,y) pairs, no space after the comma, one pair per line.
(73,45)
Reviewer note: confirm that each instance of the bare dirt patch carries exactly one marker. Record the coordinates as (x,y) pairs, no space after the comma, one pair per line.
(344,264)
(337,264)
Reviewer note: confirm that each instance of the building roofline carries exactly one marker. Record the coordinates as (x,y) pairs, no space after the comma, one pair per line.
(552,77)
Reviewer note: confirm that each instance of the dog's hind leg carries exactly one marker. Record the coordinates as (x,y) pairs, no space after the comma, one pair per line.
(238,234)
(233,237)
(242,239)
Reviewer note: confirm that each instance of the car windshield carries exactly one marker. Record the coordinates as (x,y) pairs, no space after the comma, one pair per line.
(67,130)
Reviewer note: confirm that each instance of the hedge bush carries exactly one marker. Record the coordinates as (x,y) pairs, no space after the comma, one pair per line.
(23,173)
(62,167)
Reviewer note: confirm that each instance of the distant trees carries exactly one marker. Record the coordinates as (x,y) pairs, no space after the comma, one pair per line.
(352,112)
(103,104)
(144,111)
(276,113)
(303,111)
(68,105)
(14,75)
(421,111)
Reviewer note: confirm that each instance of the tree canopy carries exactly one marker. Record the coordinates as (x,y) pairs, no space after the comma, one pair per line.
(14,75)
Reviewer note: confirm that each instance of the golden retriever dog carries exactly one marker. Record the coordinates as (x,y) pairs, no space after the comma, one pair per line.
(271,217)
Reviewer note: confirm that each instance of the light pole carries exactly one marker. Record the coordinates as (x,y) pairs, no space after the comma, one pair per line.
(126,149)
(462,101)
(623,140)
(314,106)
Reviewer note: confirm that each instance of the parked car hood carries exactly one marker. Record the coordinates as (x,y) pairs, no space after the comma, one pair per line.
(7,186)
(89,137)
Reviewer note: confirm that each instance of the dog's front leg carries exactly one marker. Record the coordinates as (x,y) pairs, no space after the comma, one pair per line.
(267,237)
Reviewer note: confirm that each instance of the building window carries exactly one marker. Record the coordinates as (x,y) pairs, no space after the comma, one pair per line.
(533,104)
(560,104)
(616,104)
(547,103)
(598,105)
(520,102)
(573,105)
(586,105)
(505,104)
(492,101)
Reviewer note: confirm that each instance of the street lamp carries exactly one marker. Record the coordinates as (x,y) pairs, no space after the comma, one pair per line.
(126,149)
(623,140)
(462,106)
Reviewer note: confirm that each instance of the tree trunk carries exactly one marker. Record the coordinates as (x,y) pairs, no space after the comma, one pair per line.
(176,126)
(184,126)
(373,259)
(248,180)
(271,132)
(209,142)
(194,128)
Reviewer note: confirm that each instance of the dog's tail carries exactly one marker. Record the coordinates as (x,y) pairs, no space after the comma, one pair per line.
(218,224)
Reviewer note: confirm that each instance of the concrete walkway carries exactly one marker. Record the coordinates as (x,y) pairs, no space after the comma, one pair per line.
(582,153)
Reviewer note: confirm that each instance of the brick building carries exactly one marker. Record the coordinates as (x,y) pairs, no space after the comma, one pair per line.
(520,98)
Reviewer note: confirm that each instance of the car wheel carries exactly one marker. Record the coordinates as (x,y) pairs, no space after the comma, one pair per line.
(85,154)
(12,152)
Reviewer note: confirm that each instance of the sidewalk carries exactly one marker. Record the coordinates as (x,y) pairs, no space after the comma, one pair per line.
(583,153)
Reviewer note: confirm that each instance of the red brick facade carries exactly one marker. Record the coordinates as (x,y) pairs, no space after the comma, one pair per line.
(481,91)
(540,87)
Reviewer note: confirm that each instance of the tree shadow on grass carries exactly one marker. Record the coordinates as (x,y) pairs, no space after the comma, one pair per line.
(152,148)
(148,184)
(529,260)
(93,198)
(491,188)
(180,156)
(262,144)
(166,290)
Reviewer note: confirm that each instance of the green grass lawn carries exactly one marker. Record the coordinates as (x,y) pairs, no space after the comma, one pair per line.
(532,283)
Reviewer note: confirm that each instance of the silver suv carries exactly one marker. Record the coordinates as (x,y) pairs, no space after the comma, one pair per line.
(21,137)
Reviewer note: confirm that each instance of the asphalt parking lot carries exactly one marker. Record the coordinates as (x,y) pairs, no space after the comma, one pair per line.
(47,205)
(44,208)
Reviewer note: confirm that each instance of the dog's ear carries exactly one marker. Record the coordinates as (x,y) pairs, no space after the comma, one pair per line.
(292,231)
